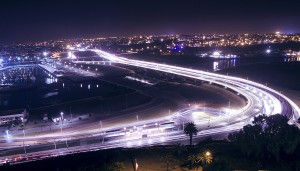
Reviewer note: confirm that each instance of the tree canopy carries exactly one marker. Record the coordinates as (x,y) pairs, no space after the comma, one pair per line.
(267,137)
(190,129)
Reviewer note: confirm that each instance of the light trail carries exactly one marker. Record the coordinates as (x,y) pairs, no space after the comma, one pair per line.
(215,78)
(260,100)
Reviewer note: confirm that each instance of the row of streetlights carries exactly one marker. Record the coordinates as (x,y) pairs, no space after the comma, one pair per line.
(62,119)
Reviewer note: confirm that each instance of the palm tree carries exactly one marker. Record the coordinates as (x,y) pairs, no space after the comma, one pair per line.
(205,158)
(200,159)
(193,160)
(190,130)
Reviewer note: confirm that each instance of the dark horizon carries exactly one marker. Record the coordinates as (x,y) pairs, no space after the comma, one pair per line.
(51,19)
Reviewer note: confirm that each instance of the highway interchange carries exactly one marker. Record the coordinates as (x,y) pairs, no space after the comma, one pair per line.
(259,98)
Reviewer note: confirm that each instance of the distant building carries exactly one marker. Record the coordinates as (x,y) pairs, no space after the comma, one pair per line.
(218,54)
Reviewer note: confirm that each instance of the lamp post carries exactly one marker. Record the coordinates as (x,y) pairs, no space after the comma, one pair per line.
(101,132)
(62,116)
(22,119)
(24,147)
(23,135)
(125,133)
(7,133)
(62,121)
(23,132)
(67,143)
(54,143)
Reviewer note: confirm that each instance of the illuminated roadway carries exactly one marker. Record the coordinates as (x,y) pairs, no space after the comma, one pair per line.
(260,99)
(262,96)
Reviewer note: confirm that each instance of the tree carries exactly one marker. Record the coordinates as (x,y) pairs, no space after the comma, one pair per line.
(190,130)
(205,158)
(268,137)
(178,151)
(192,160)
(200,159)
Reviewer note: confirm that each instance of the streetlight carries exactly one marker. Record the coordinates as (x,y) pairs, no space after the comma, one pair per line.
(22,119)
(67,143)
(24,147)
(62,121)
(23,132)
(101,132)
(125,132)
(62,116)
(54,143)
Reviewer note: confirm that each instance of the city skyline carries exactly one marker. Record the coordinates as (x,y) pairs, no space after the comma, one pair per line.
(31,20)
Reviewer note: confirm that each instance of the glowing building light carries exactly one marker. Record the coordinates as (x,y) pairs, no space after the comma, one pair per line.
(216,53)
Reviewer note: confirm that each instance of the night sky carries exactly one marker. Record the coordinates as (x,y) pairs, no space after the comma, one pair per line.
(35,20)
